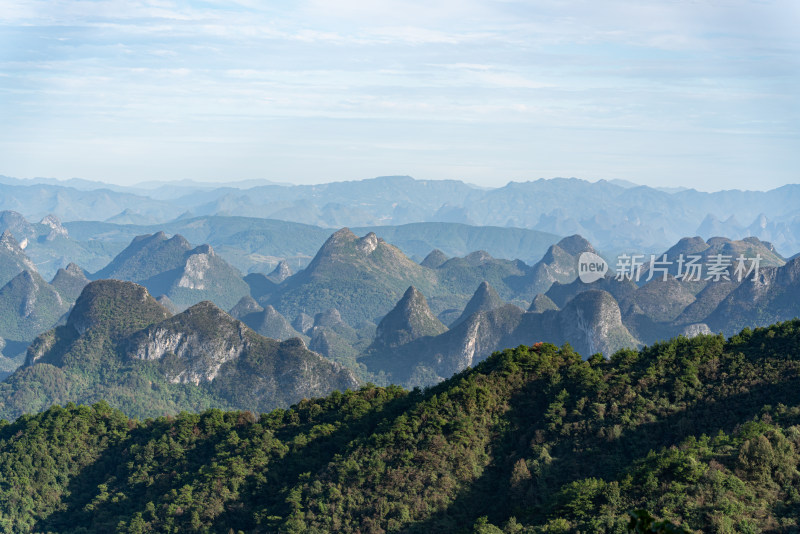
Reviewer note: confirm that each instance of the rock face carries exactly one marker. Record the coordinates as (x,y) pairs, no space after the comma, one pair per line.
(202,339)
(170,266)
(281,272)
(56,229)
(772,296)
(697,329)
(12,259)
(196,269)
(484,299)
(592,323)
(119,327)
(410,319)
(204,344)
(478,336)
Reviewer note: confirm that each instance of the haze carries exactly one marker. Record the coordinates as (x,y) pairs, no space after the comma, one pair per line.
(683,93)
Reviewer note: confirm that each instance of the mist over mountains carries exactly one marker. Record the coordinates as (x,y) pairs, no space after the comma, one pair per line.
(365,304)
(410,304)
(613,215)
(210,312)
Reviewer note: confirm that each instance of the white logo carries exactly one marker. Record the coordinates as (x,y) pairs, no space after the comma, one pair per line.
(591,267)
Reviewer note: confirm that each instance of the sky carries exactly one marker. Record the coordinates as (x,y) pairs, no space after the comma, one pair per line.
(697,93)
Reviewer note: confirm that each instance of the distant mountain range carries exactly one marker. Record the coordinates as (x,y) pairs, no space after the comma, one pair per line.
(614,216)
(363,303)
(253,244)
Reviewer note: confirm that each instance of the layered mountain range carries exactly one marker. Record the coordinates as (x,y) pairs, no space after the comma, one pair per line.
(614,215)
(119,344)
(364,303)
(702,432)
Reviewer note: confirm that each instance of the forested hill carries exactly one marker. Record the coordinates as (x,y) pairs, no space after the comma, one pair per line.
(704,432)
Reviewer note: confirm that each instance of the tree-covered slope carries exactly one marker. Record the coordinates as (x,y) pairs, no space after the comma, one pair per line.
(120,345)
(361,277)
(12,259)
(170,266)
(703,432)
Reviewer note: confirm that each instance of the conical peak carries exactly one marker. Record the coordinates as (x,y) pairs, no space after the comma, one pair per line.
(281,272)
(343,234)
(411,295)
(485,298)
(484,287)
(575,244)
(74,269)
(410,319)
(434,259)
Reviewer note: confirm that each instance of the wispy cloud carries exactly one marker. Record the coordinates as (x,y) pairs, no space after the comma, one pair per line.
(171,73)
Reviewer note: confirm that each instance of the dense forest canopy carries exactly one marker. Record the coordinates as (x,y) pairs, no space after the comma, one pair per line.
(701,432)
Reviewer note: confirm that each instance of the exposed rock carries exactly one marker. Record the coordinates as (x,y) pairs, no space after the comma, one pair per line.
(196,268)
(201,347)
(696,329)
(171,267)
(280,273)
(56,229)
(592,322)
(772,296)
(368,243)
(12,259)
(203,338)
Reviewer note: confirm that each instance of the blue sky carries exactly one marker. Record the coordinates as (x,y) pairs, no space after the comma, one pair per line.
(698,93)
